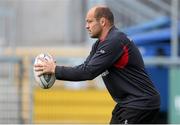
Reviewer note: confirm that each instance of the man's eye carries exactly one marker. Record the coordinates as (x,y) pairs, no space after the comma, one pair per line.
(89,21)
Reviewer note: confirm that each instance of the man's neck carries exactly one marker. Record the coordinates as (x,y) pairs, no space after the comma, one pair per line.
(105,33)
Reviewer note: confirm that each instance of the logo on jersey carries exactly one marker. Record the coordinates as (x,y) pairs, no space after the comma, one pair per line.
(102,51)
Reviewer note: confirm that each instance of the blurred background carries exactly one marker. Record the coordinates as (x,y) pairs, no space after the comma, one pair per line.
(31,27)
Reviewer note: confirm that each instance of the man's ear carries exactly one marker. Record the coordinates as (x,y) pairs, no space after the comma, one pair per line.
(103,21)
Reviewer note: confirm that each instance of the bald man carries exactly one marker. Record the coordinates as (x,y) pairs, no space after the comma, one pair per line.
(121,66)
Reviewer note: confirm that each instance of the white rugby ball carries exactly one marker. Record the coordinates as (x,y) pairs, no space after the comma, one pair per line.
(45,81)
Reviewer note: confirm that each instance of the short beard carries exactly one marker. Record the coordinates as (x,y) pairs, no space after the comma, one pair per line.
(95,36)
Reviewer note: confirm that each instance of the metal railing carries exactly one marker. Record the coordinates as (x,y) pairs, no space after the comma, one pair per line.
(11,90)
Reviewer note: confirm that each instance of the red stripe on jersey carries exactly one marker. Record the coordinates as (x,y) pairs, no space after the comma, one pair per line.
(123,60)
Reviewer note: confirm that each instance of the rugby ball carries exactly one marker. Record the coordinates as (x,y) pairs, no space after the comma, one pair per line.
(45,81)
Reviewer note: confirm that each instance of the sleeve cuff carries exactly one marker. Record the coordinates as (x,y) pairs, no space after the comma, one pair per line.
(58,73)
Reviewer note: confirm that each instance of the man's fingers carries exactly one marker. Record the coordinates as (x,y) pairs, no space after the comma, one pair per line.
(38,68)
(39,73)
(38,65)
(45,66)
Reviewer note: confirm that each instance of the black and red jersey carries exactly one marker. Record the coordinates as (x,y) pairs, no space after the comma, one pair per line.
(121,66)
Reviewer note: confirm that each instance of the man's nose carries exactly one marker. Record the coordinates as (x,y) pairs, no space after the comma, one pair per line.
(87,26)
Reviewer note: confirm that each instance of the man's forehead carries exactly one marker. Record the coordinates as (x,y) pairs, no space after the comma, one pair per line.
(90,15)
(91,12)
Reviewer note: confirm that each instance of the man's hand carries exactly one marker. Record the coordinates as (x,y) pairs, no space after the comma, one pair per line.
(45,67)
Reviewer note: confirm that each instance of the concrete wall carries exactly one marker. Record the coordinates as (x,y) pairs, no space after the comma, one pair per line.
(49,22)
